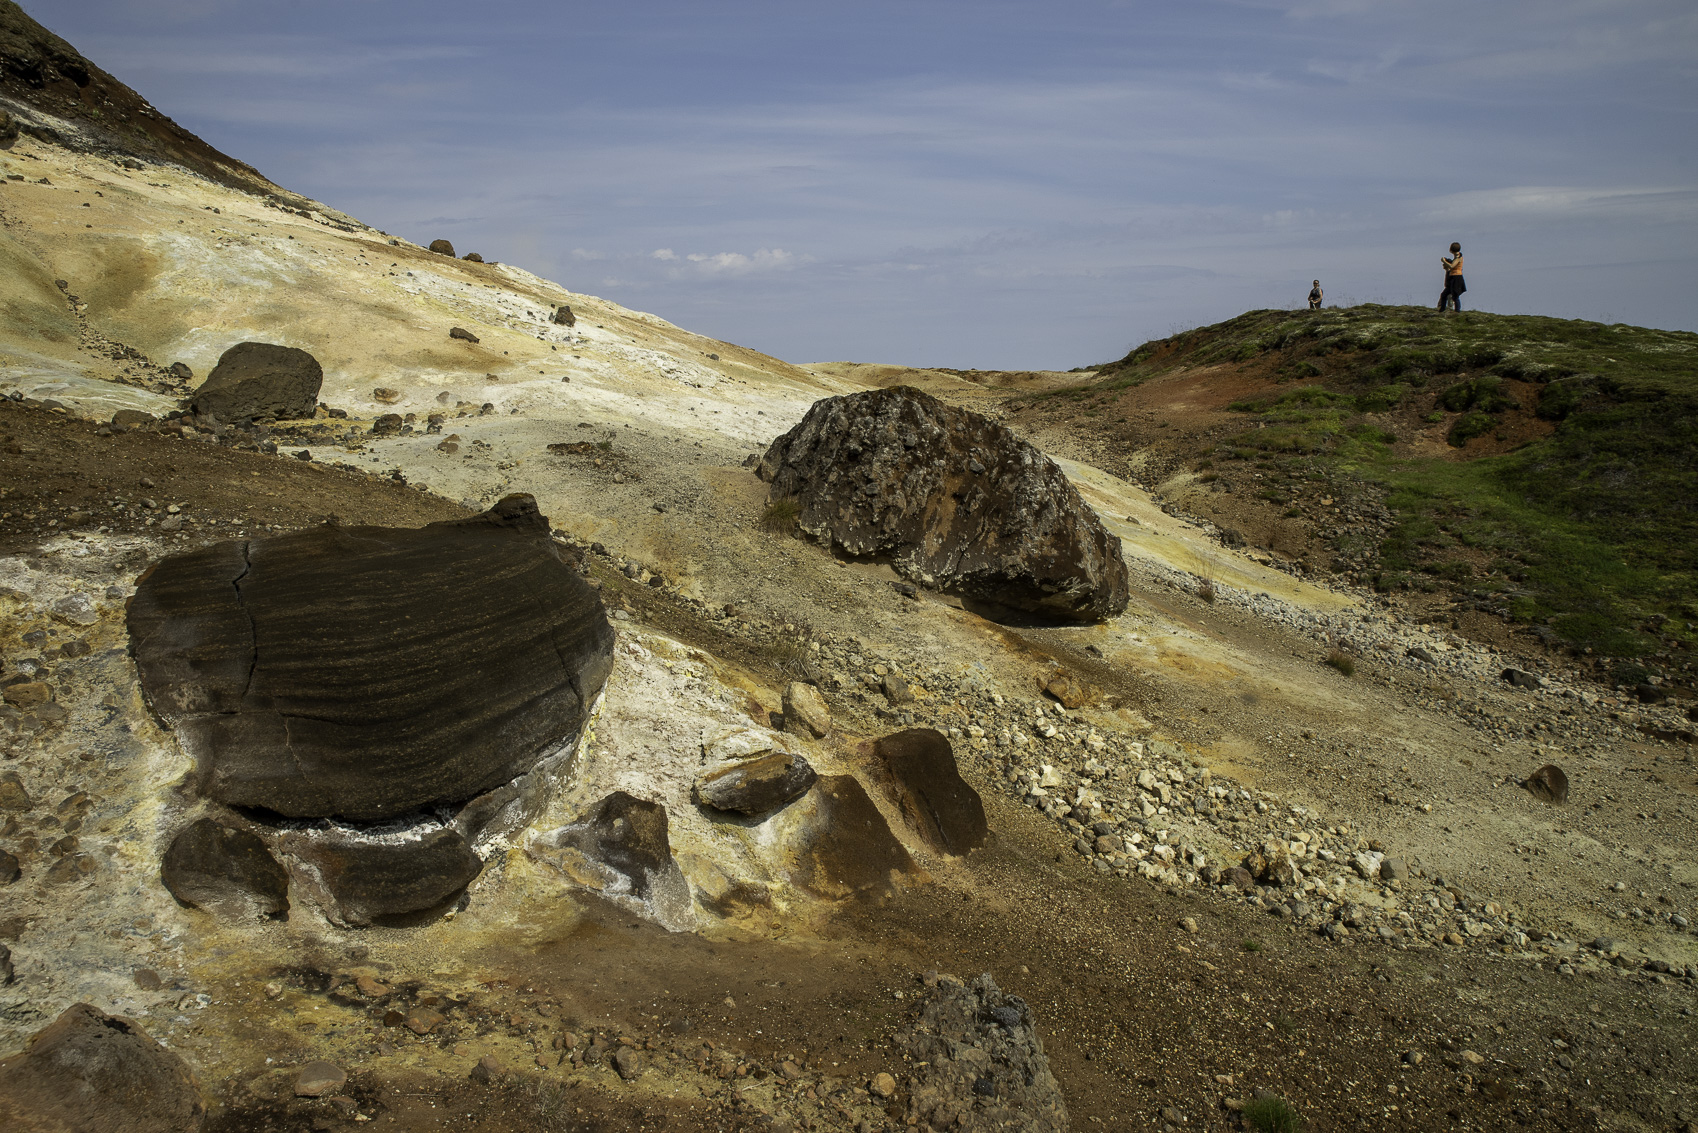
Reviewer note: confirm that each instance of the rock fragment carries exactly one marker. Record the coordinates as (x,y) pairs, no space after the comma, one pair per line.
(1549,783)
(319,1078)
(756,785)
(805,711)
(621,850)
(1517,678)
(563,316)
(368,879)
(957,502)
(442,247)
(463,335)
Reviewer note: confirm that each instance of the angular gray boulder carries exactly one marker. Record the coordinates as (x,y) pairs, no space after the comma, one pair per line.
(364,673)
(262,381)
(956,501)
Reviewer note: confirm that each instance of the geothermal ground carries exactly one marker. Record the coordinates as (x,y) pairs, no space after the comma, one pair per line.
(1435,946)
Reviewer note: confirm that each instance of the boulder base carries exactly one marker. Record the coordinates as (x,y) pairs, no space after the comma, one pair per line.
(848,847)
(224,870)
(955,500)
(369,879)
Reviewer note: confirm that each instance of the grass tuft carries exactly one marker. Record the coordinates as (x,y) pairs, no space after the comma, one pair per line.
(1272,1115)
(1342,661)
(781,514)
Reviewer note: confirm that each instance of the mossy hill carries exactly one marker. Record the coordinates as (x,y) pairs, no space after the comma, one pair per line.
(1568,494)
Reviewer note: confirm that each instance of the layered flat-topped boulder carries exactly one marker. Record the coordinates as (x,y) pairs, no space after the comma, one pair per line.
(364,673)
(260,380)
(954,500)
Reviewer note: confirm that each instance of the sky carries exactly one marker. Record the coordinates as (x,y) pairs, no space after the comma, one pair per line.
(970,183)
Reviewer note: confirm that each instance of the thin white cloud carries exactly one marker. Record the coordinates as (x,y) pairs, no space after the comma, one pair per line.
(663,254)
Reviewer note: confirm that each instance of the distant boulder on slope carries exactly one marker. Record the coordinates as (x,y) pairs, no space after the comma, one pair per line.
(260,380)
(957,502)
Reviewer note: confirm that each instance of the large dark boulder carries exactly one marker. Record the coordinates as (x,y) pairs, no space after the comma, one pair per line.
(224,870)
(262,381)
(937,803)
(367,672)
(955,500)
(88,1071)
(366,878)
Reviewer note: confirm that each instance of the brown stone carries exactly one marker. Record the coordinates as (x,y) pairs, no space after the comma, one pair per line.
(260,380)
(369,880)
(953,499)
(442,247)
(805,711)
(225,870)
(12,793)
(935,800)
(28,694)
(424,1020)
(563,316)
(463,335)
(319,1078)
(386,395)
(757,785)
(1549,783)
(91,1071)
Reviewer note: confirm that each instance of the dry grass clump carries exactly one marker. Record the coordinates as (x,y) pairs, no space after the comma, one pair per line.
(1342,661)
(781,514)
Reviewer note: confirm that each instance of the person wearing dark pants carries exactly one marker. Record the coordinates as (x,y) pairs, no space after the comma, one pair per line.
(1315,296)
(1453,285)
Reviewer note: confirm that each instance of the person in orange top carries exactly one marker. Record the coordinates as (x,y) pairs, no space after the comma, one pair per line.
(1453,285)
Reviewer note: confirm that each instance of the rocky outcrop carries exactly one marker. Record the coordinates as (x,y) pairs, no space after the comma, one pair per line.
(977,1061)
(262,381)
(621,850)
(956,501)
(225,870)
(937,803)
(564,317)
(368,675)
(366,672)
(91,1071)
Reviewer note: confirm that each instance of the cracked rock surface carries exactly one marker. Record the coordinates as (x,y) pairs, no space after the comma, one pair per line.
(956,501)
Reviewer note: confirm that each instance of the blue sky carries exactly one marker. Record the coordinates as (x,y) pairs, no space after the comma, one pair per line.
(972,184)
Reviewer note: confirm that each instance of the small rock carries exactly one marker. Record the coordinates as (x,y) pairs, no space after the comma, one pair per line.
(1549,783)
(896,690)
(147,979)
(1239,878)
(10,871)
(442,247)
(386,395)
(181,371)
(1394,869)
(1417,653)
(882,1085)
(1519,679)
(74,609)
(563,316)
(423,1020)
(805,711)
(7,975)
(487,1070)
(1606,944)
(319,1078)
(26,695)
(1189,924)
(790,1070)
(472,257)
(1472,1058)
(463,335)
(370,988)
(627,1063)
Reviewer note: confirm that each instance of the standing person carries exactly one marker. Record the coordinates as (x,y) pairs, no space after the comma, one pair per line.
(1453,285)
(1315,296)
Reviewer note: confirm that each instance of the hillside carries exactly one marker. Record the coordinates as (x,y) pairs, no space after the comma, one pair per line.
(1269,840)
(1543,471)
